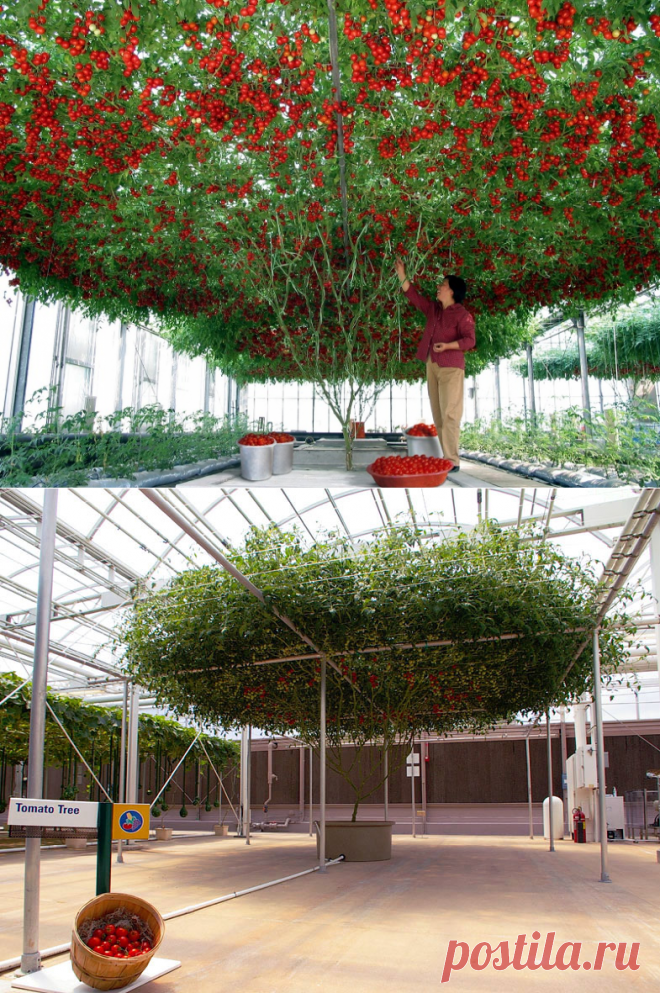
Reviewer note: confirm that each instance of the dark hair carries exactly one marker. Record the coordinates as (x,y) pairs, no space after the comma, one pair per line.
(458,287)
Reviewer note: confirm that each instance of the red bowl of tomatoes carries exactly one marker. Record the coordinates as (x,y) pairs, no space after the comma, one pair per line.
(409,470)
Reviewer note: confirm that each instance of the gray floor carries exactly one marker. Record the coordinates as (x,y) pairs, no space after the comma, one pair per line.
(370,927)
(324,465)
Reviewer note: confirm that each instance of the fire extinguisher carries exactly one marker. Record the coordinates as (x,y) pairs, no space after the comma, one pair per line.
(579,826)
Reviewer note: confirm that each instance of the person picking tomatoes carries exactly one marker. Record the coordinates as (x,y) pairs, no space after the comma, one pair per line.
(448,334)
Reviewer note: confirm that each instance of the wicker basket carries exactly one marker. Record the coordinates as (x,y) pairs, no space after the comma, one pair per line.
(100,971)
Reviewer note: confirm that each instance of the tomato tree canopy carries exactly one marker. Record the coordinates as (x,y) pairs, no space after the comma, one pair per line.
(182,158)
(424,635)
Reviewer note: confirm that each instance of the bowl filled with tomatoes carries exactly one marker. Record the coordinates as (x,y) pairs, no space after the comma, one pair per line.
(114,938)
(422,439)
(409,470)
(257,451)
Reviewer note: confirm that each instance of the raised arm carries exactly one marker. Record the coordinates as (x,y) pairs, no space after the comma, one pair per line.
(417,300)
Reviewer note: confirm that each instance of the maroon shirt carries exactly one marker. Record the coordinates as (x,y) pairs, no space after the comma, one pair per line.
(452,323)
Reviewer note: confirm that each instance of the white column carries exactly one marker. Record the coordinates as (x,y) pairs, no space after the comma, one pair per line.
(133,763)
(30,959)
(654,552)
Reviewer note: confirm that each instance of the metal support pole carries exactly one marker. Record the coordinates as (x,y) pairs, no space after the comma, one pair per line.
(412,788)
(311,778)
(122,762)
(498,391)
(386,784)
(530,378)
(529,790)
(322,769)
(564,790)
(600,763)
(31,959)
(579,323)
(104,849)
(550,789)
(243,783)
(424,750)
(654,554)
(23,364)
(301,782)
(248,786)
(132,767)
(119,396)
(475,398)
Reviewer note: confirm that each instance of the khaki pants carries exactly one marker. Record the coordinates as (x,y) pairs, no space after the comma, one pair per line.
(446,396)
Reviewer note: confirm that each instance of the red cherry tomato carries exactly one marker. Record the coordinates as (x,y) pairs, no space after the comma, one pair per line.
(123,941)
(134,935)
(99,934)
(256,440)
(121,932)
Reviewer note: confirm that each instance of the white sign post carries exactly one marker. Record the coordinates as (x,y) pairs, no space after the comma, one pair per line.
(52,813)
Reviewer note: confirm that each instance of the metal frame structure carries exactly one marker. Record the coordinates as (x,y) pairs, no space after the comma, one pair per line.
(50,543)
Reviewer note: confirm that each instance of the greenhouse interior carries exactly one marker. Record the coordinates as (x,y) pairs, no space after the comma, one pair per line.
(329,495)
(266,674)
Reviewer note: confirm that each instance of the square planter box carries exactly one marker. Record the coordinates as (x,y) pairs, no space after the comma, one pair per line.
(77,843)
(357,841)
(163,834)
(221,830)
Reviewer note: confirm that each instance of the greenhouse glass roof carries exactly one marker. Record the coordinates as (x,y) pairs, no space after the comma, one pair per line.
(107,540)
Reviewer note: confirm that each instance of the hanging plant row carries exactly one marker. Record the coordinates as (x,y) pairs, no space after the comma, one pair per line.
(96,732)
(509,611)
(185,159)
(628,348)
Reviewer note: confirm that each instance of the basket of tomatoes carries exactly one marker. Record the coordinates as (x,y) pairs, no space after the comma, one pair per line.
(114,938)
(422,439)
(409,470)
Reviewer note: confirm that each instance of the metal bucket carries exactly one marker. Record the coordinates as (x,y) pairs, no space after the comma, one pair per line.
(257,461)
(283,457)
(424,446)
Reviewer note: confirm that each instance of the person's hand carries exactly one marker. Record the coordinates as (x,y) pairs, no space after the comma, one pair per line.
(400,269)
(440,346)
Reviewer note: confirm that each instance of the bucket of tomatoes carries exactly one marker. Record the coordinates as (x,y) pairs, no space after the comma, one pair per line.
(422,439)
(409,470)
(283,453)
(257,450)
(114,938)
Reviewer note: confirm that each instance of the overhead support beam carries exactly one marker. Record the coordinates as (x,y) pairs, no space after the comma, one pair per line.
(23,503)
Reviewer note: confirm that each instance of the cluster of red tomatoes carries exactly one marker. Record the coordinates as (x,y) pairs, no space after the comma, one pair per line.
(422,431)
(409,465)
(119,942)
(255,440)
(280,437)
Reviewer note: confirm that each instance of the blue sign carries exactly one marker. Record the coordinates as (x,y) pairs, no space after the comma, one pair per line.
(131,821)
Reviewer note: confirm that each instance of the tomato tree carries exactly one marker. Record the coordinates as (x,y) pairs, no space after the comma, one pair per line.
(221,162)
(420,636)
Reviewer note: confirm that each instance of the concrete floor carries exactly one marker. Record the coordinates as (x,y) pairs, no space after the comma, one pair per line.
(365,928)
(470,476)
